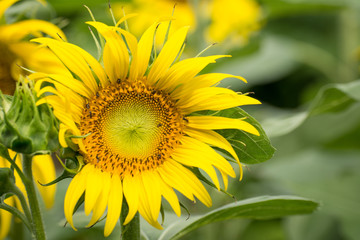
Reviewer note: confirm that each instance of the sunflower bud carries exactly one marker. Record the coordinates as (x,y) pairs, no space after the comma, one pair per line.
(25,127)
(7,180)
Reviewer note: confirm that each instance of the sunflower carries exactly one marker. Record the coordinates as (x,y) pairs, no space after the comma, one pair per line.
(15,51)
(139,122)
(235,20)
(44,172)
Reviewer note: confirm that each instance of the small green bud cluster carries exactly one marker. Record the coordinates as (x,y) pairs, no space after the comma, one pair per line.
(25,127)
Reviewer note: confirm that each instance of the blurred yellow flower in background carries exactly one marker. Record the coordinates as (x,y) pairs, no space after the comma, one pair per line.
(44,172)
(16,51)
(232,20)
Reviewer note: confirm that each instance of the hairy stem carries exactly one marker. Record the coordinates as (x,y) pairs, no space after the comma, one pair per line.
(37,222)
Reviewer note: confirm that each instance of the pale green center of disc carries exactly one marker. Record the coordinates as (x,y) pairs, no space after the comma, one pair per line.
(131,131)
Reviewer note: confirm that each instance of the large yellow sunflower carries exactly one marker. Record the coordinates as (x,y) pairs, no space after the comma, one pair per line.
(44,172)
(15,51)
(141,133)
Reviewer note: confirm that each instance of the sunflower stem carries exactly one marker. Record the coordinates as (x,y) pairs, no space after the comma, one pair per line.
(37,222)
(130,231)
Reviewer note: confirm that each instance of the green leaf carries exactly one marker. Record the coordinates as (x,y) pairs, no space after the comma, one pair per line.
(332,98)
(250,149)
(260,208)
(335,98)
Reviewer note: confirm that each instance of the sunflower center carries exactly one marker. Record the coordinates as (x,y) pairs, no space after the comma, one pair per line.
(133,128)
(7,83)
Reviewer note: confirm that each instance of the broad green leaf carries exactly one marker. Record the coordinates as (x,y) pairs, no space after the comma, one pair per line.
(330,176)
(335,98)
(272,229)
(250,149)
(332,98)
(261,208)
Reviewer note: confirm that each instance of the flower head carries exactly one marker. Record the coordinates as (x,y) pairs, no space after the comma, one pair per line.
(141,136)
(15,51)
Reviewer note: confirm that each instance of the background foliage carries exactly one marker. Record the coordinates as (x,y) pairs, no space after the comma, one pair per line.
(303,65)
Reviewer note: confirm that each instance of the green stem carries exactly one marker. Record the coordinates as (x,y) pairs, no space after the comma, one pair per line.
(23,201)
(16,213)
(37,223)
(131,231)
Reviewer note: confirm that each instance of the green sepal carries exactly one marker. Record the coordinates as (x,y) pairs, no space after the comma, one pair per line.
(25,127)
(186,209)
(70,164)
(162,212)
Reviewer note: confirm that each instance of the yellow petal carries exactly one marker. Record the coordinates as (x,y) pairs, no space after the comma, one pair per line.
(167,55)
(184,71)
(201,81)
(212,138)
(145,207)
(114,205)
(170,196)
(213,98)
(202,95)
(44,172)
(77,64)
(94,186)
(116,56)
(70,82)
(36,57)
(75,190)
(131,186)
(184,181)
(151,181)
(35,27)
(175,181)
(212,122)
(191,146)
(141,58)
(102,199)
(62,132)
(93,63)
(187,158)
(5,4)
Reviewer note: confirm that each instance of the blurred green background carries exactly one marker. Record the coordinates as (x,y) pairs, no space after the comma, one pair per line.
(303,65)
